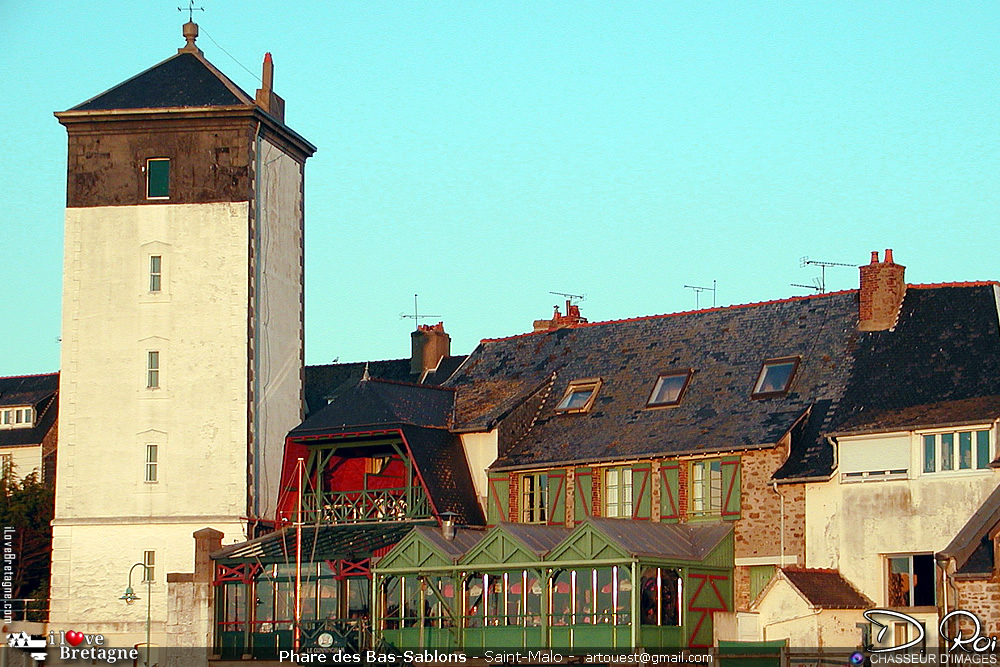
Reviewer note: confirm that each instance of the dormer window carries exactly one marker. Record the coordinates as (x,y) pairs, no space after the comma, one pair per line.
(668,389)
(775,377)
(579,396)
(19,417)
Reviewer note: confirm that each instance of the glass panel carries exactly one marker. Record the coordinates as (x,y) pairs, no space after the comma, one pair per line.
(358,598)
(649,604)
(930,460)
(623,604)
(561,598)
(154,273)
(716,486)
(158,178)
(576,399)
(329,590)
(698,487)
(947,451)
(775,377)
(584,596)
(965,450)
(982,449)
(392,591)
(899,582)
(668,389)
(411,601)
(439,614)
(605,595)
(475,593)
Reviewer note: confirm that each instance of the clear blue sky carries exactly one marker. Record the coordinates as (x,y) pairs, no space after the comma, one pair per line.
(484,154)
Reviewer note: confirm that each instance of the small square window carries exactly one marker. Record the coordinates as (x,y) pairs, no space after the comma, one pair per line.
(775,377)
(669,389)
(158,178)
(579,396)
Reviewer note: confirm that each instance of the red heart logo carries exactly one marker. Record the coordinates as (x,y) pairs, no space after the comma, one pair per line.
(74,637)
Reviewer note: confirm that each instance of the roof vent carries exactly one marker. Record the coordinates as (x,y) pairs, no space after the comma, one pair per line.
(882,292)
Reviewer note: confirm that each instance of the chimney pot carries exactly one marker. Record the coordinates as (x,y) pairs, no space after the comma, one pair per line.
(874,257)
(888,256)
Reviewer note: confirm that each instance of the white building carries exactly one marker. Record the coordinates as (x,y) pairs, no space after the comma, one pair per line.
(182,332)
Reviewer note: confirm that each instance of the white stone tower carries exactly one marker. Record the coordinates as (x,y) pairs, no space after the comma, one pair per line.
(182,334)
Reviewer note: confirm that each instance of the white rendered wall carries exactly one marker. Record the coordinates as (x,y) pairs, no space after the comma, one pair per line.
(852,527)
(106,513)
(480,452)
(279,315)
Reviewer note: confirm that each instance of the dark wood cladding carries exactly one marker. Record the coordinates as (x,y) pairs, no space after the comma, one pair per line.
(211,156)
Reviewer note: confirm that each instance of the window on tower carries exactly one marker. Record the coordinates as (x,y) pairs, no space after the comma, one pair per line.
(153,370)
(155,272)
(158,178)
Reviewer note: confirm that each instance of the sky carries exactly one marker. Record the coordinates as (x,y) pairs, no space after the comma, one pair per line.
(483,155)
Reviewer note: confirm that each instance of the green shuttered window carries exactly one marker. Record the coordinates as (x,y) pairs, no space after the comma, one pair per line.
(158,178)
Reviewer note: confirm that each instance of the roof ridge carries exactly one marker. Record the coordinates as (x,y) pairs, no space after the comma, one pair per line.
(411,384)
(970,283)
(29,375)
(643,318)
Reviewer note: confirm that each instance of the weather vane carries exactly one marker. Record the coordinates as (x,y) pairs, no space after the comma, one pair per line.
(191,9)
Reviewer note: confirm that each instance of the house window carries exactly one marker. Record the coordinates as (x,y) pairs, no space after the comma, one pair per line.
(662,596)
(149,560)
(775,377)
(153,369)
(962,450)
(6,463)
(158,178)
(706,487)
(534,498)
(579,396)
(152,456)
(911,581)
(23,417)
(155,272)
(669,389)
(618,492)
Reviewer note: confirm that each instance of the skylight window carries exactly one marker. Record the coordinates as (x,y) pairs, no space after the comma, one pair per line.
(579,396)
(669,389)
(775,377)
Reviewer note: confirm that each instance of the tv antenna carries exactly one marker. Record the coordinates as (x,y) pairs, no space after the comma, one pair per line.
(697,293)
(416,316)
(821,285)
(190,9)
(571,297)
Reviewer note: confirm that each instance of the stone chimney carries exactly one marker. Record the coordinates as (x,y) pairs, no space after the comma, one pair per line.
(560,321)
(429,344)
(266,99)
(882,291)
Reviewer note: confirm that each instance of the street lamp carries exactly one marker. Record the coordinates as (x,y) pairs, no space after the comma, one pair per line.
(131,597)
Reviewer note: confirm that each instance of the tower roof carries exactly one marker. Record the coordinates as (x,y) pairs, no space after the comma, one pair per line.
(183,80)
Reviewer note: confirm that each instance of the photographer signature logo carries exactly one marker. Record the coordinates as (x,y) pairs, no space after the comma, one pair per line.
(976,642)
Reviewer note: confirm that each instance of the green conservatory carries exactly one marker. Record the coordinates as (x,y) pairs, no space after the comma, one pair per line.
(608,583)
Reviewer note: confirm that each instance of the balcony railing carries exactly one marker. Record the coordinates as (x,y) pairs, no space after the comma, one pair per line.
(368,505)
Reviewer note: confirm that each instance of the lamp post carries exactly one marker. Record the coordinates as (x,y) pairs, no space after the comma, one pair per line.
(131,597)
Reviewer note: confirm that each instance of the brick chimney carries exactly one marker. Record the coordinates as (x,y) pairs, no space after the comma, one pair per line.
(560,321)
(266,99)
(882,291)
(429,344)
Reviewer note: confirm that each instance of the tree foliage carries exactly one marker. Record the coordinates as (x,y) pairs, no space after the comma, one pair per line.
(26,510)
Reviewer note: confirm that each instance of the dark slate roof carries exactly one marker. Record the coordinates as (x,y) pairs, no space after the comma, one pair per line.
(724,346)
(826,589)
(381,403)
(963,412)
(325,382)
(691,542)
(465,540)
(348,541)
(183,80)
(37,391)
(971,548)
(441,461)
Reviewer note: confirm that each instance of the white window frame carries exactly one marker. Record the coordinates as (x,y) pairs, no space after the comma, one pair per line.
(21,416)
(704,499)
(618,499)
(533,497)
(151,464)
(155,273)
(149,569)
(941,438)
(152,369)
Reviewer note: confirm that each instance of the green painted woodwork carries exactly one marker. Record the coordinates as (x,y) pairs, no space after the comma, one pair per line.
(585,544)
(670,484)
(642,490)
(557,497)
(496,549)
(731,488)
(582,492)
(413,553)
(760,576)
(498,498)
(656,636)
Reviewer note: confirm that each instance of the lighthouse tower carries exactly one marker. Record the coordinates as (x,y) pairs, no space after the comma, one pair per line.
(182,332)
